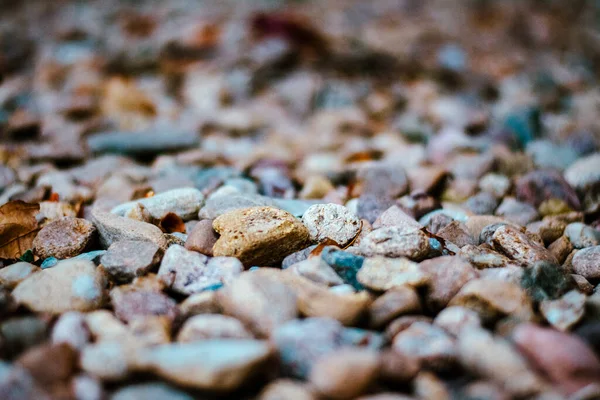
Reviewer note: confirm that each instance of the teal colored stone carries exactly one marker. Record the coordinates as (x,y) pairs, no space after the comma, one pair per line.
(345,264)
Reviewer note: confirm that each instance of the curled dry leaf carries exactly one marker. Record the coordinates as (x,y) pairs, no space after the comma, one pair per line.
(171,222)
(18,228)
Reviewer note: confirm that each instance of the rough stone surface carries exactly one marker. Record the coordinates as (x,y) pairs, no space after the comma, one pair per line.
(396,242)
(71,285)
(582,236)
(259,235)
(14,274)
(539,186)
(183,202)
(331,221)
(584,172)
(395,216)
(127,259)
(447,275)
(431,345)
(565,312)
(586,262)
(518,247)
(380,273)
(393,303)
(212,326)
(64,238)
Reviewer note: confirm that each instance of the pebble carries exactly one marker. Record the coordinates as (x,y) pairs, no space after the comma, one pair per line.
(212,326)
(259,235)
(150,391)
(260,300)
(447,275)
(496,184)
(297,256)
(187,272)
(140,143)
(517,212)
(393,303)
(130,303)
(127,259)
(183,202)
(455,319)
(483,257)
(344,263)
(112,228)
(518,247)
(64,238)
(544,281)
(494,299)
(202,238)
(538,186)
(431,345)
(17,383)
(582,236)
(318,271)
(586,262)
(584,173)
(301,342)
(287,389)
(572,365)
(494,358)
(294,206)
(49,262)
(456,232)
(150,330)
(85,387)
(565,312)
(50,365)
(483,203)
(396,242)
(383,179)
(370,206)
(200,303)
(214,364)
(331,221)
(381,273)
(72,285)
(21,333)
(106,360)
(14,274)
(395,216)
(72,329)
(345,373)
(218,205)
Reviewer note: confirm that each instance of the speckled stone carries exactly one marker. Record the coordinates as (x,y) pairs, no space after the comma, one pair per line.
(112,228)
(127,259)
(586,262)
(259,235)
(396,242)
(331,221)
(64,238)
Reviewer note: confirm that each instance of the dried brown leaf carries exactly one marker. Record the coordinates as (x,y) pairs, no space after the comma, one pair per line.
(18,228)
(171,222)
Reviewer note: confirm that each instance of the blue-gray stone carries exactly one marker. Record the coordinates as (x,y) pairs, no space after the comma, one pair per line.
(140,143)
(345,264)
(49,262)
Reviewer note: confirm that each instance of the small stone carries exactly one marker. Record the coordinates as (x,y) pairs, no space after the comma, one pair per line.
(455,319)
(105,326)
(150,330)
(517,212)
(483,257)
(331,221)
(287,389)
(431,345)
(14,274)
(447,275)
(483,203)
(583,284)
(72,285)
(106,360)
(141,143)
(400,324)
(545,281)
(572,364)
(476,223)
(381,274)
(318,271)
(395,367)
(295,207)
(586,262)
(49,364)
(344,263)
(49,262)
(212,326)
(429,387)
(150,391)
(382,179)
(301,343)
(64,238)
(200,303)
(584,173)
(21,333)
(518,247)
(394,216)
(393,303)
(345,373)
(297,256)
(496,184)
(565,312)
(183,202)
(396,242)
(561,248)
(457,233)
(493,299)
(510,273)
(130,303)
(202,238)
(370,206)
(126,259)
(582,236)
(219,205)
(112,228)
(188,272)
(16,383)
(85,387)
(216,364)
(260,300)
(539,186)
(259,235)
(494,358)
(71,328)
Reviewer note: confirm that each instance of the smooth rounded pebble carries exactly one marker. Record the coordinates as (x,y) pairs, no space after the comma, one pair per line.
(64,238)
(184,202)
